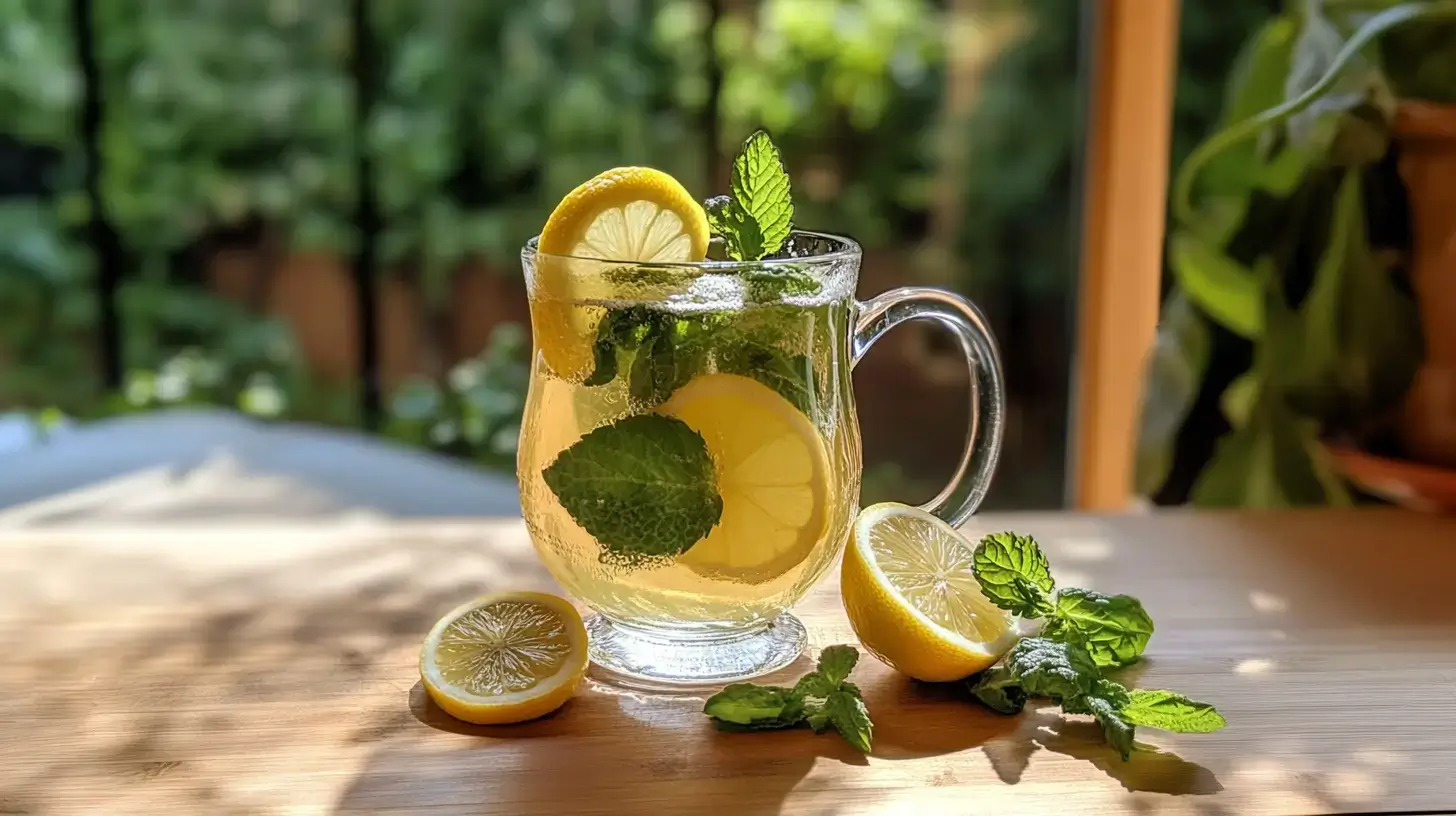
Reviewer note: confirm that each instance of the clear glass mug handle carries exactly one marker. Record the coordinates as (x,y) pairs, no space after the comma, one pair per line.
(972,476)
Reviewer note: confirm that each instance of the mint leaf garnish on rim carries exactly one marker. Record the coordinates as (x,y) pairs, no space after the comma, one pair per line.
(644,487)
(822,699)
(755,221)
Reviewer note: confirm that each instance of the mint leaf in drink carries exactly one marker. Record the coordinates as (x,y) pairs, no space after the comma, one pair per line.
(760,188)
(999,690)
(1014,574)
(1114,629)
(755,707)
(821,699)
(1170,711)
(723,218)
(771,284)
(644,486)
(791,375)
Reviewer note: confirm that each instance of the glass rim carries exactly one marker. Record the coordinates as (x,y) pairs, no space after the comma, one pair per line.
(845,248)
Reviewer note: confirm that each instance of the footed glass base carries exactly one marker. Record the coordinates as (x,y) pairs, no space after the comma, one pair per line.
(668,659)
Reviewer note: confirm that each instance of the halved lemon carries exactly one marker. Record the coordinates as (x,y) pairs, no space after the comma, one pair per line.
(773,474)
(912,599)
(505,658)
(626,214)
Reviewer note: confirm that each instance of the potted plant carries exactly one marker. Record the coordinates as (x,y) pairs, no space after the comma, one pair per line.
(1311,254)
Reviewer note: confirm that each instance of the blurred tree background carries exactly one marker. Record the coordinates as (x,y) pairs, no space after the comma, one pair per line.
(944,134)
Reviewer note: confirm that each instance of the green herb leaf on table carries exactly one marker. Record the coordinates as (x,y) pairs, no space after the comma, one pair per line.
(1170,711)
(1014,574)
(755,707)
(821,699)
(1114,629)
(1117,730)
(1050,668)
(645,487)
(846,711)
(999,690)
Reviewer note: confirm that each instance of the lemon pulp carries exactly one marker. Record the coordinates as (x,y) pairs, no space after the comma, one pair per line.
(772,472)
(505,658)
(913,600)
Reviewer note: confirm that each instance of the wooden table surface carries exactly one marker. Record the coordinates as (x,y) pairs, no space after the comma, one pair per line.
(253,671)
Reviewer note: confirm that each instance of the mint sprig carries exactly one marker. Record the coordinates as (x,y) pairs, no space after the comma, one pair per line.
(756,220)
(1013,574)
(822,699)
(1084,633)
(645,487)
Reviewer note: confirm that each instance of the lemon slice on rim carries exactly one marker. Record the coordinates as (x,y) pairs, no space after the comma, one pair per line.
(773,474)
(912,599)
(626,214)
(505,658)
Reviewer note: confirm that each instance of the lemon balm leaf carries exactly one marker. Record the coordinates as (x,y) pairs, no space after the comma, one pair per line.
(1170,711)
(1013,573)
(645,487)
(761,195)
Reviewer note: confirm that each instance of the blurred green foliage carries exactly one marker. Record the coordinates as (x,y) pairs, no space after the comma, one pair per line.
(1291,320)
(232,120)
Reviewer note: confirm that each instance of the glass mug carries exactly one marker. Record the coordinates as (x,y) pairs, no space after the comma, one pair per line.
(689,461)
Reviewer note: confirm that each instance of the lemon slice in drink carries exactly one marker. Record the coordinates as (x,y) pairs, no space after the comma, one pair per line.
(912,598)
(626,214)
(773,475)
(505,658)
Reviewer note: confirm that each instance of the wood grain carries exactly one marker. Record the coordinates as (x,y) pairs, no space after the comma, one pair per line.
(252,671)
(1123,211)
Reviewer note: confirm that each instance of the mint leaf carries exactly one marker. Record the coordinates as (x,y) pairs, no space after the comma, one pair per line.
(1049,668)
(1114,629)
(836,662)
(1118,731)
(821,699)
(1171,711)
(762,207)
(755,707)
(1014,574)
(791,375)
(1104,689)
(845,710)
(775,283)
(644,486)
(999,690)
(617,334)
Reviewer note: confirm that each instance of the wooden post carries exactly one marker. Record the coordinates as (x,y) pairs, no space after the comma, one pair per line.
(364,67)
(1134,68)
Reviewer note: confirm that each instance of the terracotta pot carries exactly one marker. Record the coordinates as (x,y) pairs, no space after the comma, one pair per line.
(1426,137)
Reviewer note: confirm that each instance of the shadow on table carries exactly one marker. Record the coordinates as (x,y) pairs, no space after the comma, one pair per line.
(605,751)
(1147,770)
(131,699)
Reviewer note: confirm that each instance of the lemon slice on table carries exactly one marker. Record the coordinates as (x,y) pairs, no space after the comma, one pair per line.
(912,598)
(626,214)
(505,658)
(773,474)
